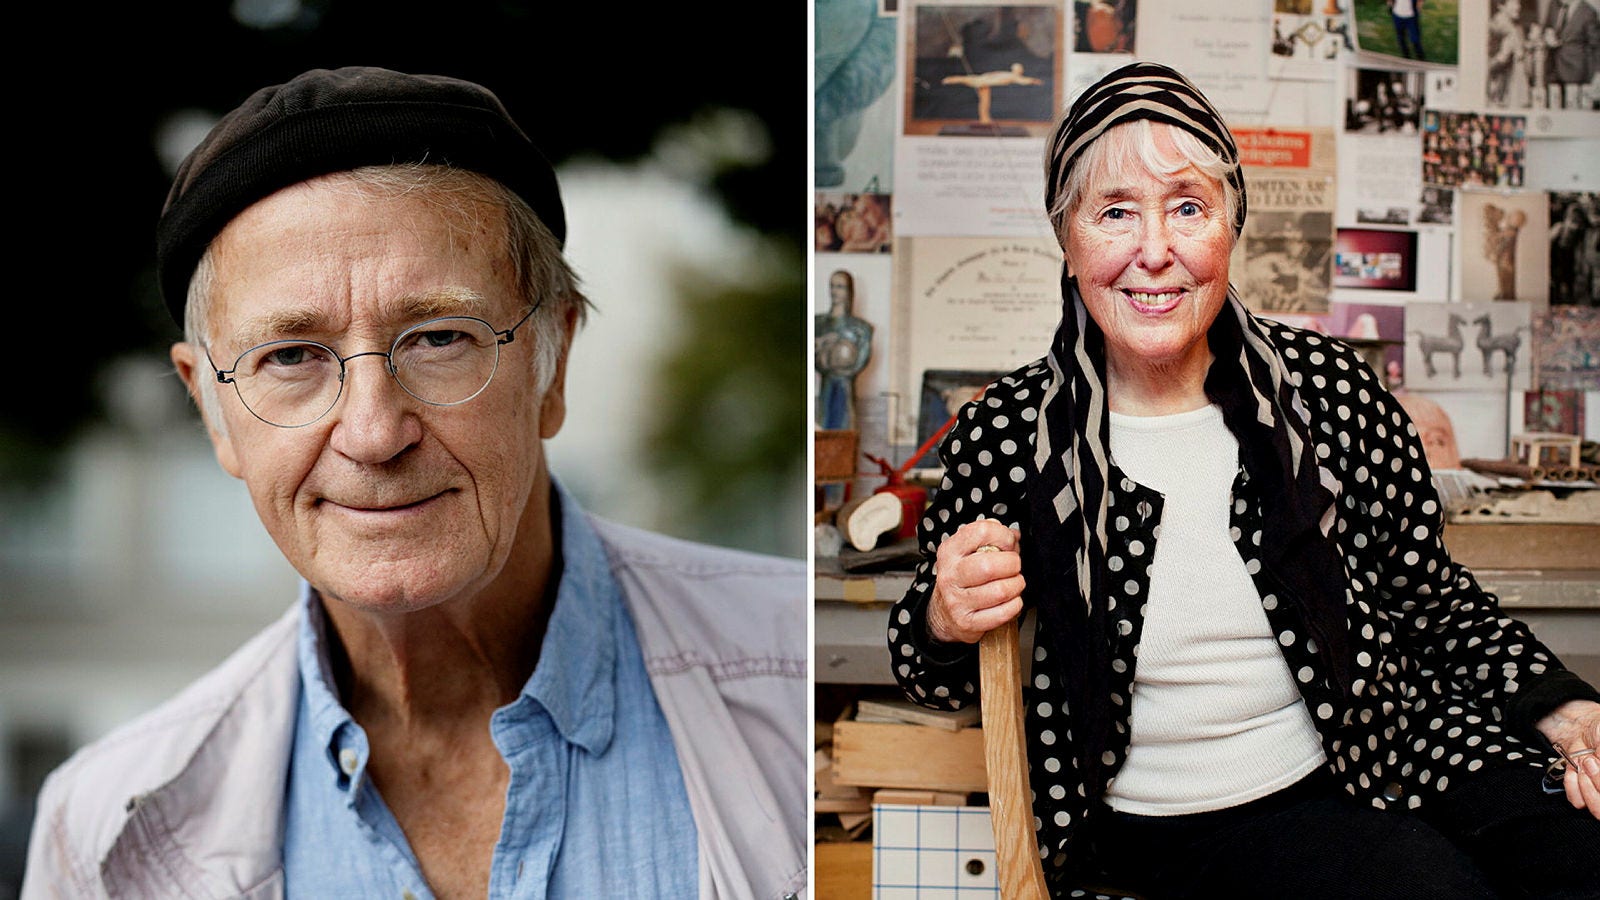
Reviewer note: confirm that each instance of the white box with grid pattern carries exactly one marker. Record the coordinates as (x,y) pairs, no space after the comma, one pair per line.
(932,853)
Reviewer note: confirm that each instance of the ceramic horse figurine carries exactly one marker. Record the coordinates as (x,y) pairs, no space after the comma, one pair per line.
(1451,343)
(1490,343)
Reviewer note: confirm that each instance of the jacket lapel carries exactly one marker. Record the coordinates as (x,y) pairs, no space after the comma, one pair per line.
(216,828)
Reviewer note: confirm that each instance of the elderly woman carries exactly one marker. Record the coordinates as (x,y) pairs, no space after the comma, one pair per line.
(1255,664)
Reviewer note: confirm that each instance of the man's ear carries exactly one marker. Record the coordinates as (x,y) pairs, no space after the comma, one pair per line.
(190,368)
(553,408)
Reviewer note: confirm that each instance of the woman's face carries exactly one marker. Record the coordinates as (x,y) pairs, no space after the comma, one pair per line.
(1150,254)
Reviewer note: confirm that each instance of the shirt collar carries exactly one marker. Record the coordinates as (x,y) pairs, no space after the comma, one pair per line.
(575,679)
(326,716)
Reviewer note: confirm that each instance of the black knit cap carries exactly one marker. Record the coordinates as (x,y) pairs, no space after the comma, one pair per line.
(333,120)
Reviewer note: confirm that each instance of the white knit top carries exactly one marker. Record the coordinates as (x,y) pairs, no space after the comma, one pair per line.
(1216,718)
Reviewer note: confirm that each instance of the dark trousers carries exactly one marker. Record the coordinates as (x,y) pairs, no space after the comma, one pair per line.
(1497,836)
(1408,31)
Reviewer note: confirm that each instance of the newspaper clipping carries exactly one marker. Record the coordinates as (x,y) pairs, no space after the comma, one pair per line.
(1285,255)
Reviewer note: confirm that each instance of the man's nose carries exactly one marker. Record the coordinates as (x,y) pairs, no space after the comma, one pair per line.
(375,419)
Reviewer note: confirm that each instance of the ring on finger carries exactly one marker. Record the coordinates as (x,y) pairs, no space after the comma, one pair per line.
(1587,751)
(990,548)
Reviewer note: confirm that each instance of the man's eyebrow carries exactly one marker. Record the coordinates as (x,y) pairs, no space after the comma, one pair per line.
(412,308)
(280,324)
(401,312)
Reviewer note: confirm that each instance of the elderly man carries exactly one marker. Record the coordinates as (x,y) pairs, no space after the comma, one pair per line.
(481,691)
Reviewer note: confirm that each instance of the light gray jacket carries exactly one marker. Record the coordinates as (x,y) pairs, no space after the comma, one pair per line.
(186,801)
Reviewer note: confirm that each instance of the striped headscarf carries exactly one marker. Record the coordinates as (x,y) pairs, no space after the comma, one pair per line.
(1065,564)
(1138,90)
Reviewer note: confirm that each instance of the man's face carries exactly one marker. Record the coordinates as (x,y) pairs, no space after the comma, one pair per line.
(386,502)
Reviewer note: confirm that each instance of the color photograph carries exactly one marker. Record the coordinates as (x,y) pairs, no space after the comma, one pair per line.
(1462,148)
(1104,26)
(853,223)
(982,71)
(1375,259)
(1425,31)
(1502,248)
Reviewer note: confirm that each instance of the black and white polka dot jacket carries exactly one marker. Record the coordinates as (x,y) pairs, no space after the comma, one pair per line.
(1436,662)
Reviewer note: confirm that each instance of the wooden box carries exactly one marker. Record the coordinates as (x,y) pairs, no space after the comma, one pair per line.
(884,754)
(835,458)
(1523,545)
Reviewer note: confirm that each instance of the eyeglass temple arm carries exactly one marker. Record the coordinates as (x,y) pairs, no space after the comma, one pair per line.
(222,374)
(510,334)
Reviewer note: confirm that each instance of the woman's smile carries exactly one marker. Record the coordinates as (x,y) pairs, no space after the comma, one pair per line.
(1153,303)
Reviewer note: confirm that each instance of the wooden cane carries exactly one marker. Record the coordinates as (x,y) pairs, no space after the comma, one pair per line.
(1005,754)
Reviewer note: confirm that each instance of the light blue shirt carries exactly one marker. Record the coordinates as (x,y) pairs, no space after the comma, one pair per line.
(596,805)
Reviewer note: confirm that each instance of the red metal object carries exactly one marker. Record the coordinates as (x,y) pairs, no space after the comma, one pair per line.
(913,498)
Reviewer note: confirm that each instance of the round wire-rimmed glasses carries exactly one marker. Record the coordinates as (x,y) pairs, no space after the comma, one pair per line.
(442,362)
(1555,774)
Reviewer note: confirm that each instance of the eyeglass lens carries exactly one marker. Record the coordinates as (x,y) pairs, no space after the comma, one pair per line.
(441,362)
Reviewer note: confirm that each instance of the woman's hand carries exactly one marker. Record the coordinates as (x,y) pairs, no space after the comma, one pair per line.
(978,582)
(1575,725)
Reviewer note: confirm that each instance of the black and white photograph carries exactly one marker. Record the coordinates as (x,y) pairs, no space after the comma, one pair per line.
(1542,54)
(1575,248)
(1383,101)
(1286,260)
(1437,206)
(1392,215)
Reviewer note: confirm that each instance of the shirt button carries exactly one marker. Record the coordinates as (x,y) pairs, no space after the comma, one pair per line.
(1392,792)
(404,895)
(348,761)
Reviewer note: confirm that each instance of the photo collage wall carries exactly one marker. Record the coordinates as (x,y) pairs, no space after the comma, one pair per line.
(1427,190)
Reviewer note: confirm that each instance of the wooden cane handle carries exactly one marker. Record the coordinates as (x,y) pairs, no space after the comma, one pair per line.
(1005,754)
